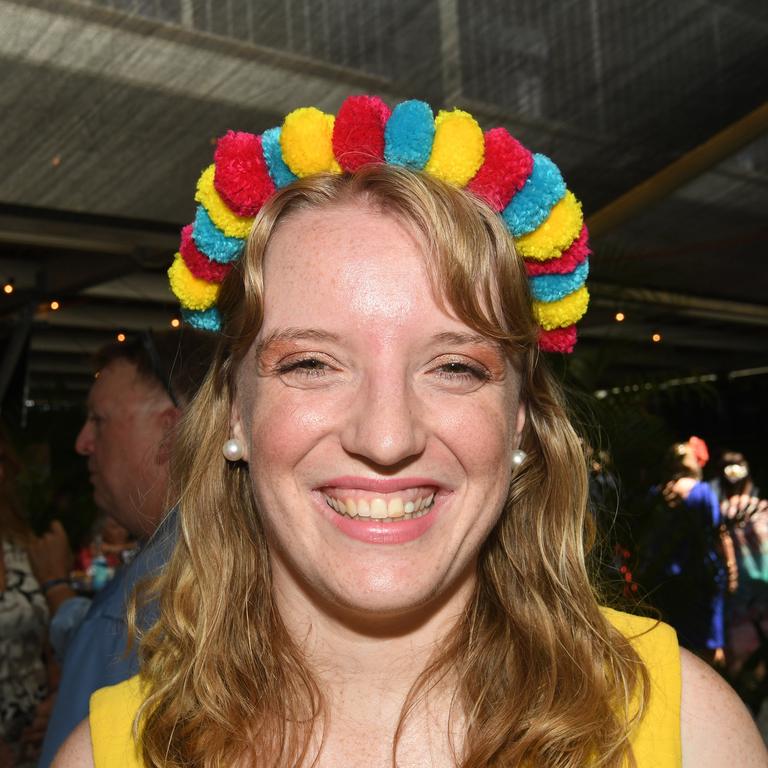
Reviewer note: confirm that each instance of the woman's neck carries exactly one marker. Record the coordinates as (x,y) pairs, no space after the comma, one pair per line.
(348,643)
(366,668)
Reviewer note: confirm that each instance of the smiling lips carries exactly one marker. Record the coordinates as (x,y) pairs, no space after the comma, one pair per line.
(392,510)
(405,504)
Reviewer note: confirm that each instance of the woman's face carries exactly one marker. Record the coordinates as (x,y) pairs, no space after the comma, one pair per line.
(378,427)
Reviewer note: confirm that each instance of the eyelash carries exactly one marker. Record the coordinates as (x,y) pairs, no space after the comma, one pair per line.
(308,366)
(311,367)
(465,372)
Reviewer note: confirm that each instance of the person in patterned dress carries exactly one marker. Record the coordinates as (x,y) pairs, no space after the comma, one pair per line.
(23,626)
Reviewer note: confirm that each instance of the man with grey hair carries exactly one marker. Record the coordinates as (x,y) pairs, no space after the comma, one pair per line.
(137,398)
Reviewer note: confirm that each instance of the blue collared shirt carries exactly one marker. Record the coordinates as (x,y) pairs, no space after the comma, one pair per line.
(65,623)
(96,656)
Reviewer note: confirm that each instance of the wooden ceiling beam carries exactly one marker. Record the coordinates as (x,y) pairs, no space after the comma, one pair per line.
(686,168)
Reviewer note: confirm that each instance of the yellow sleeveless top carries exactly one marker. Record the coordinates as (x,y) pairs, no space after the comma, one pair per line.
(656,740)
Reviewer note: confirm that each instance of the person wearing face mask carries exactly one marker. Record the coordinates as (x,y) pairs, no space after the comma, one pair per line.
(745,518)
(137,398)
(382,503)
(734,487)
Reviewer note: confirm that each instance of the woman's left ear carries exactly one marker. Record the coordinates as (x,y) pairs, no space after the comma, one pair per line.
(520,422)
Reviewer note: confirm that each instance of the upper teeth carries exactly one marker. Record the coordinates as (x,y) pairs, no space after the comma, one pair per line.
(381,509)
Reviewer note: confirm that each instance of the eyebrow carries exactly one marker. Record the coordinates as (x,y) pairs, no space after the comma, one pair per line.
(451,337)
(314,334)
(293,334)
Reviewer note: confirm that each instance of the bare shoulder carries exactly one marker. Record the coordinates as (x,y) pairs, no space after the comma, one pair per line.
(76,751)
(716,727)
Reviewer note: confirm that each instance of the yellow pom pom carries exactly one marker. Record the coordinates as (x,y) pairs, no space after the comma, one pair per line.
(191,291)
(458,148)
(556,232)
(306,140)
(228,222)
(561,313)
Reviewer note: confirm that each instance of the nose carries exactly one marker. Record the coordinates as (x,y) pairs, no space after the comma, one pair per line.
(84,439)
(384,425)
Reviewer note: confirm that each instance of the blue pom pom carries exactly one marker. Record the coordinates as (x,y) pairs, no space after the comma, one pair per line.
(556,287)
(281,174)
(211,241)
(203,320)
(408,134)
(531,205)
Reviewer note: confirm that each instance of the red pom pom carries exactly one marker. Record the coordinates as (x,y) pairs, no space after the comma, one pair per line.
(577,251)
(198,263)
(358,132)
(506,167)
(242,176)
(558,339)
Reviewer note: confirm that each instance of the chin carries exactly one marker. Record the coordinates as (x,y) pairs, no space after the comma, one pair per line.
(101,502)
(383,597)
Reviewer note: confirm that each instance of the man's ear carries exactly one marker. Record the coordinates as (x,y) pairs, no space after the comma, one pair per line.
(167,420)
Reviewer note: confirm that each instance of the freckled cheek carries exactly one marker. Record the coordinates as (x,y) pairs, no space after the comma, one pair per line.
(290,428)
(479,437)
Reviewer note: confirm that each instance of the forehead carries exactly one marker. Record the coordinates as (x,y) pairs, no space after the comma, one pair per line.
(118,383)
(321,240)
(347,259)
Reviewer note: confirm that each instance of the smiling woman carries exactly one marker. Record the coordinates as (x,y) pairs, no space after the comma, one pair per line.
(387,567)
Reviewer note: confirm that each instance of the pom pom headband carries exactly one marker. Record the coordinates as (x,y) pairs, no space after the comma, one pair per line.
(527,190)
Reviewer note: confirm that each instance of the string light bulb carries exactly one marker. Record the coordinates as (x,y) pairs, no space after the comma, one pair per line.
(619,317)
(121,337)
(175,322)
(8,287)
(656,338)
(55,305)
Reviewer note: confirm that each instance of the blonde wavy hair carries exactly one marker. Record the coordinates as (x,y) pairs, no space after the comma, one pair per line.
(542,677)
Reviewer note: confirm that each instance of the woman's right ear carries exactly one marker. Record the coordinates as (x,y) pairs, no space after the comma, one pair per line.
(237,435)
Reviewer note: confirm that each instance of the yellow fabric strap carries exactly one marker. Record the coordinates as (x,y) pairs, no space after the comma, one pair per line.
(656,741)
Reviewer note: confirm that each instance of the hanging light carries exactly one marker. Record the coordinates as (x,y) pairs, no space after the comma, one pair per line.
(656,338)
(8,287)
(175,322)
(55,305)
(121,337)
(619,317)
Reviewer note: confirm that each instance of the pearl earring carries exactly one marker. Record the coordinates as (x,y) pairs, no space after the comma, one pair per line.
(518,457)
(232,450)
